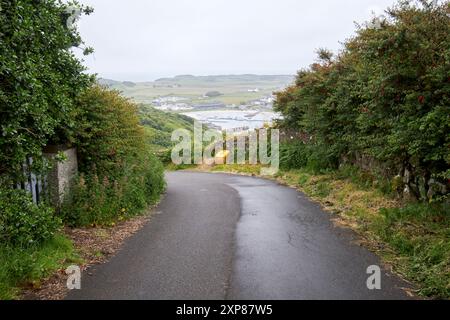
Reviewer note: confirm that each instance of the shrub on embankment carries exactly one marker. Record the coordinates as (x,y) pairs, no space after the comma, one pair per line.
(45,100)
(382,103)
(119,175)
(40,80)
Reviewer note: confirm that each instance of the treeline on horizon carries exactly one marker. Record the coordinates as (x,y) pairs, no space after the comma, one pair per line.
(384,97)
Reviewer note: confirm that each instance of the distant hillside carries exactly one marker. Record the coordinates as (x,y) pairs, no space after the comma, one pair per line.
(113,83)
(228,78)
(108,82)
(234,89)
(159,125)
(213,78)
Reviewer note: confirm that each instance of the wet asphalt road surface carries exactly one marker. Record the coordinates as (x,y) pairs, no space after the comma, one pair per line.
(219,236)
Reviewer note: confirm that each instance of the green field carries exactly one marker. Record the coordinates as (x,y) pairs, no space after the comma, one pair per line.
(234,88)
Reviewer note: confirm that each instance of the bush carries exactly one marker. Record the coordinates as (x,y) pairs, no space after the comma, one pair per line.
(365,179)
(99,200)
(165,156)
(40,79)
(119,176)
(384,97)
(23,223)
(109,132)
(293,155)
(298,155)
(321,159)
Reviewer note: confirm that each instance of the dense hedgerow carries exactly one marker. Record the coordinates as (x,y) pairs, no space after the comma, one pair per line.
(119,176)
(47,99)
(385,96)
(102,200)
(297,154)
(109,132)
(22,222)
(40,79)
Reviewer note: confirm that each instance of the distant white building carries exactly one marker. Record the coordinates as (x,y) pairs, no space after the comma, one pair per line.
(173,106)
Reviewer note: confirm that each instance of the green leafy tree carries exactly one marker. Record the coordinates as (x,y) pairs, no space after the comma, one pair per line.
(385,96)
(109,132)
(119,175)
(40,79)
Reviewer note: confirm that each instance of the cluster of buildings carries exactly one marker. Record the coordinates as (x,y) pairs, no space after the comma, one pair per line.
(173,103)
(264,102)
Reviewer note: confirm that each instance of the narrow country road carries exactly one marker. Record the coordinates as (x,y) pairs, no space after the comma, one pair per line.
(219,236)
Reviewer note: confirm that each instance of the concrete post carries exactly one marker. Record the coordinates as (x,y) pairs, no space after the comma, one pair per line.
(62,172)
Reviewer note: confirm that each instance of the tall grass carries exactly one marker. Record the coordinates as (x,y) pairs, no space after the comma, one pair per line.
(103,200)
(27,266)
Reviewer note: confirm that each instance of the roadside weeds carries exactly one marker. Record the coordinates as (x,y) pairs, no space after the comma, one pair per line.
(93,245)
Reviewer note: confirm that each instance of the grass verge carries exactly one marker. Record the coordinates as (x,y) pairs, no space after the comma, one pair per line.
(21,268)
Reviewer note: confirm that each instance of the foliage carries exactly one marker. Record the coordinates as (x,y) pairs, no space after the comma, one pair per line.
(119,175)
(159,126)
(39,79)
(23,223)
(297,154)
(109,135)
(26,266)
(104,201)
(293,155)
(366,180)
(46,98)
(386,95)
(419,233)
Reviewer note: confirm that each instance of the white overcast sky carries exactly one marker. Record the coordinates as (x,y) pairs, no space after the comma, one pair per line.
(142,40)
